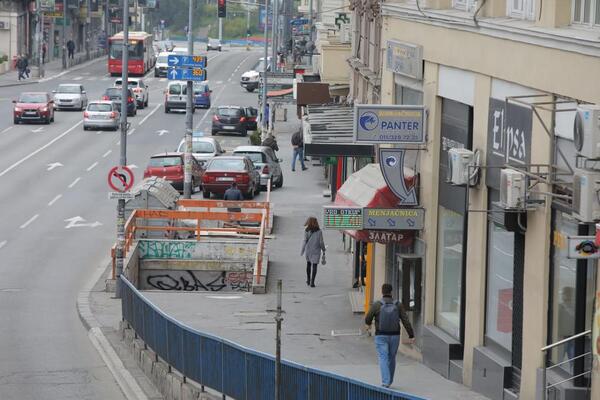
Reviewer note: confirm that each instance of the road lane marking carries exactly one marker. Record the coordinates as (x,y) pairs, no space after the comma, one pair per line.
(91,167)
(29,221)
(106,154)
(3,243)
(74,182)
(99,132)
(50,143)
(150,113)
(78,78)
(53,165)
(131,132)
(7,129)
(162,79)
(54,200)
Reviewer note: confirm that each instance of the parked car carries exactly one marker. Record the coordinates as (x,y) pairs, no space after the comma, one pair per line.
(70,96)
(249,79)
(33,106)
(169,166)
(139,89)
(265,162)
(176,96)
(229,119)
(101,114)
(203,148)
(162,66)
(222,171)
(213,44)
(251,115)
(202,95)
(114,94)
(182,51)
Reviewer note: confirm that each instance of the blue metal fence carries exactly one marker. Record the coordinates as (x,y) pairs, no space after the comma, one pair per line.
(232,369)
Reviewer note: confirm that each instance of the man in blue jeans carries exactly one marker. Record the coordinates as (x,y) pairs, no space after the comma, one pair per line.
(298,145)
(388,314)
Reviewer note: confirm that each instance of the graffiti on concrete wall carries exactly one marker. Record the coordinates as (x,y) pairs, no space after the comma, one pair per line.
(166,249)
(193,281)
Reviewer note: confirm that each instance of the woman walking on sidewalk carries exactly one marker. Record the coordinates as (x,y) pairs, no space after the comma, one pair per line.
(312,246)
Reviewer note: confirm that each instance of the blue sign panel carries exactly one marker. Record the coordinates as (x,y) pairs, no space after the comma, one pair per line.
(376,123)
(174,60)
(299,21)
(186,74)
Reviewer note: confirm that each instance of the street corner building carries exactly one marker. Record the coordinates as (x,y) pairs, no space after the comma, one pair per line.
(501,282)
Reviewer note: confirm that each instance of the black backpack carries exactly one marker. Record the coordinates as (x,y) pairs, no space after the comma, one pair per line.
(389,317)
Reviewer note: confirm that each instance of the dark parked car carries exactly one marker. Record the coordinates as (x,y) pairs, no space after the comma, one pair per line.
(33,106)
(229,119)
(222,171)
(170,167)
(114,94)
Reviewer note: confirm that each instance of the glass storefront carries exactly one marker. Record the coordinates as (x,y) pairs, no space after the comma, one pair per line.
(449,271)
(500,285)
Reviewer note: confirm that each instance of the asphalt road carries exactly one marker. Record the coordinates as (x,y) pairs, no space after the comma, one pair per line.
(57,224)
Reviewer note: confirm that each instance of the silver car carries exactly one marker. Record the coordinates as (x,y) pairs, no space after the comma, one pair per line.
(101,115)
(70,96)
(266,163)
(203,148)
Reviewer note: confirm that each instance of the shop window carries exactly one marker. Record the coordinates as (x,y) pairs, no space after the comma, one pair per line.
(586,12)
(406,95)
(499,307)
(449,271)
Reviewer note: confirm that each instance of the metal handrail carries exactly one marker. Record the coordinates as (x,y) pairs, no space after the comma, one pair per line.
(568,361)
(568,379)
(553,345)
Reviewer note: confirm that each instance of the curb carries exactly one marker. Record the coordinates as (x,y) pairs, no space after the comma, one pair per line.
(127,383)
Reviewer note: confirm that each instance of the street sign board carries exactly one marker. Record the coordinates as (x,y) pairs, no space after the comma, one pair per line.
(120,178)
(393,218)
(391,163)
(175,60)
(342,217)
(186,74)
(582,247)
(377,123)
(121,195)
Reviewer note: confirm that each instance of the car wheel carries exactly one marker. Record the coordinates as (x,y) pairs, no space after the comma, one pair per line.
(155,74)
(47,120)
(85,128)
(52,119)
(206,194)
(279,182)
(147,101)
(16,121)
(250,89)
(245,133)
(213,133)
(166,110)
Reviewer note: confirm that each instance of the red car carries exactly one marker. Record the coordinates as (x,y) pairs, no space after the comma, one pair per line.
(222,171)
(170,167)
(34,106)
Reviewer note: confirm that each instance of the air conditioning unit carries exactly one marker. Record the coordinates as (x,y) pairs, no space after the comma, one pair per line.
(513,188)
(586,188)
(458,166)
(586,130)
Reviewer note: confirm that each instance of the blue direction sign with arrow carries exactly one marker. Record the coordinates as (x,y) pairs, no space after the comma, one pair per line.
(186,74)
(174,60)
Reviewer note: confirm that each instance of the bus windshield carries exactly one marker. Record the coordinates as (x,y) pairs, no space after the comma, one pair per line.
(136,50)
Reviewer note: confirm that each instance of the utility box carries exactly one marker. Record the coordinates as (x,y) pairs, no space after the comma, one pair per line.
(152,194)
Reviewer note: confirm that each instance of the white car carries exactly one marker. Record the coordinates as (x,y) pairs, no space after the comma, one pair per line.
(101,114)
(70,96)
(139,89)
(213,44)
(161,67)
(182,51)
(249,79)
(203,148)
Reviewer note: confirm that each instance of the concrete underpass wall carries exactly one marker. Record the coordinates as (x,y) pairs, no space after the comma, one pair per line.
(190,265)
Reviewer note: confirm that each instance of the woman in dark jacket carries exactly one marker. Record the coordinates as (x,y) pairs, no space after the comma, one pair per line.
(312,246)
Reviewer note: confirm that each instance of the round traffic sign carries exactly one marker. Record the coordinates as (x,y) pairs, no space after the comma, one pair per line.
(120,178)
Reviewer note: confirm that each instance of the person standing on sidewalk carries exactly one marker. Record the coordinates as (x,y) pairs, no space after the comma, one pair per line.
(388,314)
(71,48)
(298,145)
(20,68)
(312,246)
(25,65)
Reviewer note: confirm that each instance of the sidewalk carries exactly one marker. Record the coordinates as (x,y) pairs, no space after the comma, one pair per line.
(311,314)
(52,69)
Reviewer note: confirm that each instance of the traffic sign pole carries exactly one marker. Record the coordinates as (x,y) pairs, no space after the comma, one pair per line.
(189,118)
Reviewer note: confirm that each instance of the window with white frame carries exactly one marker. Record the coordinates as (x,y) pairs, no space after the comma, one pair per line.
(523,9)
(586,12)
(466,5)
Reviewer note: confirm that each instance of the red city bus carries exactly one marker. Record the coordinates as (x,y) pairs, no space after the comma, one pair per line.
(141,53)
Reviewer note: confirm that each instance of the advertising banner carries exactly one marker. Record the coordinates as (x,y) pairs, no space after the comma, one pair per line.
(376,123)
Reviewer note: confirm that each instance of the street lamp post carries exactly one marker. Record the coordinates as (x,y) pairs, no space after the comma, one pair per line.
(40,38)
(266,61)
(274,34)
(64,24)
(189,118)
(87,30)
(123,148)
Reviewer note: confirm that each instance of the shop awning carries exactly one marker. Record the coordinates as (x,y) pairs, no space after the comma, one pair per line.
(330,132)
(278,93)
(367,188)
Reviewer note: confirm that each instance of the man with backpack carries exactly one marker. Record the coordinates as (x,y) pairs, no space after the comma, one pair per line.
(388,314)
(298,145)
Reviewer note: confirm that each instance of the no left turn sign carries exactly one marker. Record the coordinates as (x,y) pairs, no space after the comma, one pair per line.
(120,179)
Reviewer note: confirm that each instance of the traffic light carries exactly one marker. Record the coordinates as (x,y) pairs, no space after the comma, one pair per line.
(222,9)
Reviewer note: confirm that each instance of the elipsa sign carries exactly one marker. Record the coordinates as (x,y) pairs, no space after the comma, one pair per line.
(405,59)
(377,123)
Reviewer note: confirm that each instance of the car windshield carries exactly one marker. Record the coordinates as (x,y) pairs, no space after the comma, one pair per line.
(260,66)
(256,157)
(99,107)
(32,98)
(199,89)
(229,112)
(225,164)
(113,92)
(162,59)
(165,161)
(199,147)
(68,89)
(175,89)
(213,41)
(129,83)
